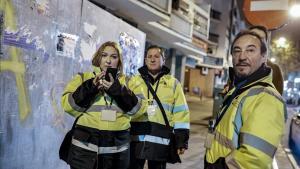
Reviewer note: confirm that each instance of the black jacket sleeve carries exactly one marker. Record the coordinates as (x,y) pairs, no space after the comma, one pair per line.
(124,97)
(182,137)
(85,94)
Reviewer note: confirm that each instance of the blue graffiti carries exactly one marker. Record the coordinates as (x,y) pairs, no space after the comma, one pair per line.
(22,39)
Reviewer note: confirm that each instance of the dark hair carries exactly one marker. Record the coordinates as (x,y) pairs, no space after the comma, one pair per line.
(263,46)
(161,50)
(261,28)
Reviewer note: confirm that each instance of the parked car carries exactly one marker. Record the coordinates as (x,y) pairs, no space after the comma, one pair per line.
(294,136)
(292,96)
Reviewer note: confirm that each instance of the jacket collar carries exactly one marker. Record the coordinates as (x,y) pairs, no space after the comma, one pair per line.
(262,72)
(145,73)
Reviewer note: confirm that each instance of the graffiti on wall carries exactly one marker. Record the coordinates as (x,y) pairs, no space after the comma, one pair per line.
(30,135)
(22,38)
(14,63)
(130,47)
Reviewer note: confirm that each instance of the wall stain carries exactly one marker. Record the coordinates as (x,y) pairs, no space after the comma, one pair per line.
(41,6)
(59,114)
(1,30)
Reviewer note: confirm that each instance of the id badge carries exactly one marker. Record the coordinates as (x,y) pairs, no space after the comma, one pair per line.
(109,115)
(151,110)
(209,138)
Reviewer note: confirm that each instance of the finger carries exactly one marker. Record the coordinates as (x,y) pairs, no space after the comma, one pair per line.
(95,81)
(180,151)
(105,84)
(102,74)
(107,87)
(99,84)
(98,77)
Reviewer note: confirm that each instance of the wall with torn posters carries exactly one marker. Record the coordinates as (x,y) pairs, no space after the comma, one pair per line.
(43,45)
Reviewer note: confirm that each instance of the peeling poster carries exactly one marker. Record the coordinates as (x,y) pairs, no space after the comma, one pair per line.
(66,44)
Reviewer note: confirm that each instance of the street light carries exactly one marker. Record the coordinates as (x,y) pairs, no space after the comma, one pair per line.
(272,59)
(295,10)
(281,42)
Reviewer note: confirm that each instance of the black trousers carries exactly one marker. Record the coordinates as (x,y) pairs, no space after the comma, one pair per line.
(80,158)
(109,161)
(139,164)
(136,163)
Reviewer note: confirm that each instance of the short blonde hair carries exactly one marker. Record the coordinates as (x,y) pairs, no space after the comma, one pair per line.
(98,55)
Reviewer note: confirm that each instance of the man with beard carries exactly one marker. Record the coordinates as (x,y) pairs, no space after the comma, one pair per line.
(250,124)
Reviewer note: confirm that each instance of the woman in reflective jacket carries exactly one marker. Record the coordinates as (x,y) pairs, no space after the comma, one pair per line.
(101,136)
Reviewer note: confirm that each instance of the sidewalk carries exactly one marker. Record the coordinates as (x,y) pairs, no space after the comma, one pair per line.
(201,111)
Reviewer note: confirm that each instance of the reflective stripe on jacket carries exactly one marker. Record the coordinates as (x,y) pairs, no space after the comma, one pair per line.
(172,98)
(92,115)
(251,129)
(149,132)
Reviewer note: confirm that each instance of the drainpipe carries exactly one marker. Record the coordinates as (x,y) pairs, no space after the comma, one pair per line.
(230,27)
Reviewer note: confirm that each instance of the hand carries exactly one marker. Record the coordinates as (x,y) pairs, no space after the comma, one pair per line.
(180,151)
(98,80)
(107,84)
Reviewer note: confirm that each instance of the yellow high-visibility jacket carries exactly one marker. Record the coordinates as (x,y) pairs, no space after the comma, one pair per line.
(147,131)
(91,115)
(251,129)
(81,97)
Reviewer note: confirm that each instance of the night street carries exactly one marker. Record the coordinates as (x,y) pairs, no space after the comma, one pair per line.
(76,80)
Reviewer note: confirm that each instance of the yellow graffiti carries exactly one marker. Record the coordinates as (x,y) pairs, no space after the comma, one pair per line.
(15,64)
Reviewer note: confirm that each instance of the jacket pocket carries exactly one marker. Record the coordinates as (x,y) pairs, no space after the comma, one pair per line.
(82,158)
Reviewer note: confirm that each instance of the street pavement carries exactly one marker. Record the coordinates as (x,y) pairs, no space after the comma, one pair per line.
(201,112)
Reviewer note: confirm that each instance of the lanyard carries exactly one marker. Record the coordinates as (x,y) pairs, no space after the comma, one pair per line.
(226,106)
(111,101)
(156,88)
